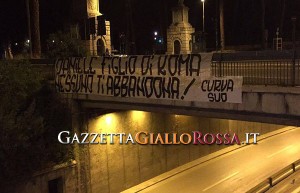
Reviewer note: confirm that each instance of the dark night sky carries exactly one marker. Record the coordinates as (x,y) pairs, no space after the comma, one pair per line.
(242,18)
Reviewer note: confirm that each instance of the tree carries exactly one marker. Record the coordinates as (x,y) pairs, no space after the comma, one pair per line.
(29,25)
(36,40)
(282,17)
(31,115)
(33,20)
(130,36)
(62,44)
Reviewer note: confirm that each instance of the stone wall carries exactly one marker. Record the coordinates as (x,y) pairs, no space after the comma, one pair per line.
(92,43)
(258,105)
(65,175)
(116,167)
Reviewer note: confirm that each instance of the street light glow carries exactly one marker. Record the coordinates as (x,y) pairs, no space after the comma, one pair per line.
(155,33)
(108,120)
(106,123)
(138,116)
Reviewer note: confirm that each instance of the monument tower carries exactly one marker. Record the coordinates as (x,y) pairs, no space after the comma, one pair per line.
(179,38)
(94,30)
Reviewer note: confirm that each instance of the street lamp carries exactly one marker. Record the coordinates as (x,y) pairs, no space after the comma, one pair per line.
(203,1)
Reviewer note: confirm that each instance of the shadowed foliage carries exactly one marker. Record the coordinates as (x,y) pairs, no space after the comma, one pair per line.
(64,45)
(31,116)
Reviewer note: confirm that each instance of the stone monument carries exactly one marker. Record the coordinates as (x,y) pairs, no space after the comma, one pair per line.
(179,38)
(93,29)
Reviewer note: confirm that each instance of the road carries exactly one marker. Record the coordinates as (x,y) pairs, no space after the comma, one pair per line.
(237,171)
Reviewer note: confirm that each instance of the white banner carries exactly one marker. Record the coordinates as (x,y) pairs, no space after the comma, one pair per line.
(172,77)
(214,89)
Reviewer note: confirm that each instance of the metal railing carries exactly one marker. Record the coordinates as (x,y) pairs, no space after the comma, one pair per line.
(275,178)
(45,67)
(282,69)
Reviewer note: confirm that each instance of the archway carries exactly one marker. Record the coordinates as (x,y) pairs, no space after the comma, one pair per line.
(100,47)
(177,47)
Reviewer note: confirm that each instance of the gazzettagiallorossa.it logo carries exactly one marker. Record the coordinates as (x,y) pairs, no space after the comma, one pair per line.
(146,138)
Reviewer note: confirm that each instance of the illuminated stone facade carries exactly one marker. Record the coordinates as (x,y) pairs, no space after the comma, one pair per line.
(179,38)
(98,45)
(84,13)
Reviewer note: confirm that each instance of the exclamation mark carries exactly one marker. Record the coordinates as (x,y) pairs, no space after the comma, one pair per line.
(187,88)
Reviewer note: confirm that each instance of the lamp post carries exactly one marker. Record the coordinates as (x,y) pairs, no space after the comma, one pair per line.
(294,19)
(203,1)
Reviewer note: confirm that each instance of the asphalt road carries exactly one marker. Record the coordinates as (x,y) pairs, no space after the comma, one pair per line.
(237,171)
